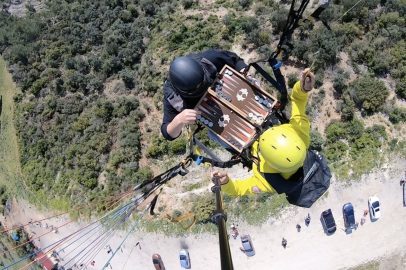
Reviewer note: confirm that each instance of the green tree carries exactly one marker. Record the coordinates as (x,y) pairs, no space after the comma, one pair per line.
(339,81)
(316,140)
(401,88)
(368,93)
(292,79)
(278,20)
(347,107)
(336,130)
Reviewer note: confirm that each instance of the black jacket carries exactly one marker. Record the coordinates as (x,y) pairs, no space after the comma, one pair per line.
(219,58)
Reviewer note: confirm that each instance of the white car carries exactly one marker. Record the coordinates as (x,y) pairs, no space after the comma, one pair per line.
(374,207)
(184,258)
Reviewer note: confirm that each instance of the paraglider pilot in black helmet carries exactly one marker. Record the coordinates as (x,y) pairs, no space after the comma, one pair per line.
(189,78)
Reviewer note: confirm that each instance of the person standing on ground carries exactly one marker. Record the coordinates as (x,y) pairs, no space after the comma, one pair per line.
(284,242)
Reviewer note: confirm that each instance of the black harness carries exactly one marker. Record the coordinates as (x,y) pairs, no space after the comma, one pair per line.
(307,185)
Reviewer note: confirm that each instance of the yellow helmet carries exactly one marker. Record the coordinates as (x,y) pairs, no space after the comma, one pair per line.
(282,149)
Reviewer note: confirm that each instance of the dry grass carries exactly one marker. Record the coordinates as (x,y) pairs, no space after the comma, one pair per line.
(10,166)
(10,170)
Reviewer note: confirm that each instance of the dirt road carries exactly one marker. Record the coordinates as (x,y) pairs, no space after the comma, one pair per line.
(311,248)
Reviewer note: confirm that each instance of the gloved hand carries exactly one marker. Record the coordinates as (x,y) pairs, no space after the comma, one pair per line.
(223,176)
(307,80)
(243,70)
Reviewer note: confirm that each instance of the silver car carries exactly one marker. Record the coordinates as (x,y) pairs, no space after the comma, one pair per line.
(247,246)
(184,258)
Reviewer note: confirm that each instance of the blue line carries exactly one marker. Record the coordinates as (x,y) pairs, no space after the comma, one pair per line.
(34,253)
(116,214)
(133,227)
(123,209)
(118,225)
(85,240)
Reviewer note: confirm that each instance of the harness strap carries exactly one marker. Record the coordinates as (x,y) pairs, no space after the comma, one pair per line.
(265,74)
(179,169)
(294,21)
(205,149)
(215,163)
(279,83)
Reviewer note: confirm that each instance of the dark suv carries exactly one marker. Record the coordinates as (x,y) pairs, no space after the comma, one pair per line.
(348,214)
(328,220)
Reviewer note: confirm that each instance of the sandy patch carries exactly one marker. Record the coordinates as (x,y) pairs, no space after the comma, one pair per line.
(311,248)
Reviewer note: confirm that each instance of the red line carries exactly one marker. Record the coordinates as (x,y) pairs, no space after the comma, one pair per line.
(58,227)
(65,212)
(72,236)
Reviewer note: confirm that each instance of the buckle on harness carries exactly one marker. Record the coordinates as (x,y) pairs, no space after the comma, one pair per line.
(278,65)
(199,160)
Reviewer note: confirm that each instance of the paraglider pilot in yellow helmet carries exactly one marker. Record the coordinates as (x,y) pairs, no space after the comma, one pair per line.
(284,162)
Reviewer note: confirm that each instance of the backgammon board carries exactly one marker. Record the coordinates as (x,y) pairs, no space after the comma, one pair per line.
(235,108)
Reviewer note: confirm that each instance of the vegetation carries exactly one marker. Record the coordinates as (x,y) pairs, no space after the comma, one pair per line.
(8,243)
(82,67)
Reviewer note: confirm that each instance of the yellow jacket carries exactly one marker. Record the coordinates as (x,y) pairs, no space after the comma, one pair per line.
(256,183)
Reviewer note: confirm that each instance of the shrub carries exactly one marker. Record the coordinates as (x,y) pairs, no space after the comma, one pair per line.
(368,93)
(292,79)
(336,151)
(248,24)
(148,7)
(355,129)
(178,146)
(278,20)
(159,147)
(401,88)
(392,144)
(176,214)
(336,130)
(397,115)
(316,140)
(347,107)
(339,81)
(204,208)
(133,9)
(245,3)
(37,86)
(319,78)
(187,3)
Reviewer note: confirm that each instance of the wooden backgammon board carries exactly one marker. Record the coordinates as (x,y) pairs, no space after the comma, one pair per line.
(235,108)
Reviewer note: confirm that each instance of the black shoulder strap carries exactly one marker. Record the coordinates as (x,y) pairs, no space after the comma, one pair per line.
(295,20)
(174,99)
(208,65)
(279,83)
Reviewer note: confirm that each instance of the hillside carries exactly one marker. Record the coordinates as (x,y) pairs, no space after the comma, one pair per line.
(87,104)
(90,73)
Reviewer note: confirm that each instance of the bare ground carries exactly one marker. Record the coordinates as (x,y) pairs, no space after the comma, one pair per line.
(311,248)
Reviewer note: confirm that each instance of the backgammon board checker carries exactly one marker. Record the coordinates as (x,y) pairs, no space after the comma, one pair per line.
(235,108)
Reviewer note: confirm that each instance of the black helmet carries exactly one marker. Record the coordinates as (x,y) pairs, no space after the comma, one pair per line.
(187,77)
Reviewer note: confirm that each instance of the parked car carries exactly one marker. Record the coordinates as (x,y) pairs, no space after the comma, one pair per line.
(157,261)
(404,194)
(247,246)
(184,258)
(374,207)
(328,220)
(348,214)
